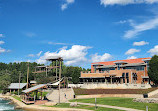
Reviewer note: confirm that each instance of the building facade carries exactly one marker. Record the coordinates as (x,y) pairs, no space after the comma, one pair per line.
(132,71)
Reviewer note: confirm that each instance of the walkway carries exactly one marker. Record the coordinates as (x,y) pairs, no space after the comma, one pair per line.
(54,95)
(108,106)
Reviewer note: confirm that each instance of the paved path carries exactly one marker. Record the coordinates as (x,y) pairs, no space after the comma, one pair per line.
(108,106)
(54,95)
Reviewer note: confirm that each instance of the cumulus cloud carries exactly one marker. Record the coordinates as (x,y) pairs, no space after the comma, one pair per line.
(154,51)
(2,42)
(141,43)
(138,28)
(76,54)
(126,2)
(65,5)
(101,58)
(132,51)
(1,35)
(132,57)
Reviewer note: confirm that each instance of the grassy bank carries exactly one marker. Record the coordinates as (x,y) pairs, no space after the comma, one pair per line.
(17,98)
(67,105)
(122,102)
(79,91)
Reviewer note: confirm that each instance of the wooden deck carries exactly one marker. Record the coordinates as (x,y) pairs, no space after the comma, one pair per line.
(28,102)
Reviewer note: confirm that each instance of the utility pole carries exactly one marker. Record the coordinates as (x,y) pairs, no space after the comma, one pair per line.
(56,71)
(19,81)
(59,77)
(27,77)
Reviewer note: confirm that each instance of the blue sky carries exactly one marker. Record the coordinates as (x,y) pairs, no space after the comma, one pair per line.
(81,31)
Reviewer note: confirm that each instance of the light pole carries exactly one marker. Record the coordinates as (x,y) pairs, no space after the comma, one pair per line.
(19,81)
(27,77)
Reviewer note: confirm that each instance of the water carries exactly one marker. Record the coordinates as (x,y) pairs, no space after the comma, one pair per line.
(5,106)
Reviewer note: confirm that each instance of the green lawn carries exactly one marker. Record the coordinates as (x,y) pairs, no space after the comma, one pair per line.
(122,102)
(67,105)
(18,98)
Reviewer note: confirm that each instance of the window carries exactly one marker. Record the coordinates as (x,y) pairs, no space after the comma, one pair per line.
(123,77)
(140,68)
(127,77)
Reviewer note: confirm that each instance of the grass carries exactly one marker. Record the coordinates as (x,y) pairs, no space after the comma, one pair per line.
(79,91)
(17,98)
(67,105)
(122,102)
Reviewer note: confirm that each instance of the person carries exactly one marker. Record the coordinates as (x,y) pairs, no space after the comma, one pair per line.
(65,95)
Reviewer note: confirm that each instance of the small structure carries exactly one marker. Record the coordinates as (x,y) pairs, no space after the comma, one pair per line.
(26,96)
(15,86)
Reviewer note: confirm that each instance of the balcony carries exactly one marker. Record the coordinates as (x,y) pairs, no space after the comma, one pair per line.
(106,73)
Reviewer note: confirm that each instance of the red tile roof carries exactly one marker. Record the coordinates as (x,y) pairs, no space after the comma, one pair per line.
(139,60)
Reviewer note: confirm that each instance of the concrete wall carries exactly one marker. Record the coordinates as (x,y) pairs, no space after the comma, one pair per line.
(115,86)
(153,93)
(110,95)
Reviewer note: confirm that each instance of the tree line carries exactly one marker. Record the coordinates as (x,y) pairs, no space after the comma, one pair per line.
(9,73)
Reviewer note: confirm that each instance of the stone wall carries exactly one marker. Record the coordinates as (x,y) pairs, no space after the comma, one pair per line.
(114,86)
(110,95)
(146,100)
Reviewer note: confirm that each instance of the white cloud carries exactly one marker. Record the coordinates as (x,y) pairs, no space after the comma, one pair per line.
(132,57)
(100,58)
(39,53)
(138,28)
(53,43)
(141,43)
(65,5)
(30,34)
(2,42)
(1,35)
(126,2)
(122,22)
(2,50)
(31,55)
(75,55)
(154,51)
(132,51)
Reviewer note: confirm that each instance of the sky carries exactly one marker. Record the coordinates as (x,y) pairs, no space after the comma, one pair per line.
(80,31)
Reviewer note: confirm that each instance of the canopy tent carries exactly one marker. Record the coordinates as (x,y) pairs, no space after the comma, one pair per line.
(17,85)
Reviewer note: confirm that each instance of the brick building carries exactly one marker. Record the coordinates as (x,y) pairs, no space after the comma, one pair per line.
(132,71)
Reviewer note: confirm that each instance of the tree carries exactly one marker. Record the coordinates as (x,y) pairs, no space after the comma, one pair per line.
(153,69)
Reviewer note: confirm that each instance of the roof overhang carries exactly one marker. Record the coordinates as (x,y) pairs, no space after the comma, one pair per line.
(54,58)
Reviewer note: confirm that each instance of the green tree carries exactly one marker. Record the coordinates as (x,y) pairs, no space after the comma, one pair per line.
(153,69)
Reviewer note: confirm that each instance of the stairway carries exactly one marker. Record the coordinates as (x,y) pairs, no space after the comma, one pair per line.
(54,95)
